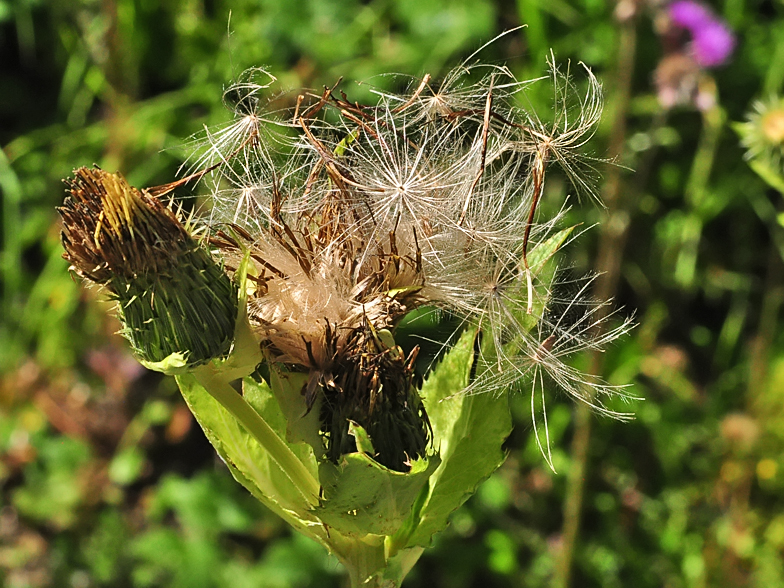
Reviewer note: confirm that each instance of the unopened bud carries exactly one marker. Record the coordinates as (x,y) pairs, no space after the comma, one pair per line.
(172,297)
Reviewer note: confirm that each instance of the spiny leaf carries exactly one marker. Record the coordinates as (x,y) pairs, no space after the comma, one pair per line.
(468,431)
(363,497)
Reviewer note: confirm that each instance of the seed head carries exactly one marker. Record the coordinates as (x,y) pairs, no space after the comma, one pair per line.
(355,215)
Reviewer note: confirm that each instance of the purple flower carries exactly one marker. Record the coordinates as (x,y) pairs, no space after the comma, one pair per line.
(712,39)
(713,44)
(689,14)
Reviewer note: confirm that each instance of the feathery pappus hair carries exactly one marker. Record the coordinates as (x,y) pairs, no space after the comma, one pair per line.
(359,214)
(354,215)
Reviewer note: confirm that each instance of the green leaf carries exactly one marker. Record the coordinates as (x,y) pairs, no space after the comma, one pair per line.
(768,173)
(398,566)
(469,431)
(245,354)
(302,425)
(171,365)
(363,497)
(247,460)
(341,147)
(540,254)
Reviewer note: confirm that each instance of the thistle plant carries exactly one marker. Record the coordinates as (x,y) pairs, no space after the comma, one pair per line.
(335,229)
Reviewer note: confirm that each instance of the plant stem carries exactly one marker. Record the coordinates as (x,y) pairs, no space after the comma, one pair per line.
(573,502)
(221,390)
(11,264)
(695,195)
(759,354)
(370,565)
(363,559)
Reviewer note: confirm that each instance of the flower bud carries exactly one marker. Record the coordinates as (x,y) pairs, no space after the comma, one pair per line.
(171,296)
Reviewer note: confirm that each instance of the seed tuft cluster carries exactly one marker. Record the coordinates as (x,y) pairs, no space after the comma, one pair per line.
(355,215)
(342,218)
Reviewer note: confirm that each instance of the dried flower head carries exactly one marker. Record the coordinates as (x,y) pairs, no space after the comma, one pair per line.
(355,215)
(536,354)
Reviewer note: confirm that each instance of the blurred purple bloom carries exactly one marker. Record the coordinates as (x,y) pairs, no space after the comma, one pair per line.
(713,44)
(713,40)
(689,14)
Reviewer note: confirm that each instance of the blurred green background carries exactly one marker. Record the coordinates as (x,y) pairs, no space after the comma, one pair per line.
(107,481)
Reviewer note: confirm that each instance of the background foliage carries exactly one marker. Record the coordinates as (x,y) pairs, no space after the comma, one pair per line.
(106,480)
